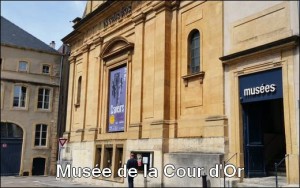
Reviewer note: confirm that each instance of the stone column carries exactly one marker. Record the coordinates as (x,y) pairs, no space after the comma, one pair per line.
(137,81)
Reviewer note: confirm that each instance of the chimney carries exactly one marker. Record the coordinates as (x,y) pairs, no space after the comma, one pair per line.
(52,44)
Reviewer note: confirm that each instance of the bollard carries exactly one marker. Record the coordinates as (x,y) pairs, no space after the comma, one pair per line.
(204,181)
(145,181)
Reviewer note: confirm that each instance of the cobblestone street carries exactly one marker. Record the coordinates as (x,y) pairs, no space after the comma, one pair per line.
(38,181)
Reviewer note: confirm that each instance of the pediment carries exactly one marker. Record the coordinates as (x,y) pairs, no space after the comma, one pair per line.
(116,46)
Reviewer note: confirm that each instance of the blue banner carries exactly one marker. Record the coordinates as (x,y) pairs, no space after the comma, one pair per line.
(117,98)
(261,86)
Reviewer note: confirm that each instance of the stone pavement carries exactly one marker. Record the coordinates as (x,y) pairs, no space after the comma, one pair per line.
(38,181)
(51,181)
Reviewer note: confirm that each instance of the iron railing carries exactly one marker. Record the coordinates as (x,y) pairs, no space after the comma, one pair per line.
(224,163)
(276,168)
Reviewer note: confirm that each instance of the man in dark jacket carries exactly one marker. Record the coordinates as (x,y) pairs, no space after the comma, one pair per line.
(131,163)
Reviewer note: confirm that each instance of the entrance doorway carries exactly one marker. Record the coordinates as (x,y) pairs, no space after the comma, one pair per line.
(38,166)
(264,137)
(11,148)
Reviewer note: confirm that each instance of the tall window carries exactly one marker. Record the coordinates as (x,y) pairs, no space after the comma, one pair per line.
(43,98)
(40,135)
(19,96)
(194,52)
(23,66)
(78,91)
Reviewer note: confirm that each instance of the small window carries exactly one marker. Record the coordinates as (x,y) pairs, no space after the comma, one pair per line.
(23,66)
(40,135)
(19,96)
(194,52)
(43,98)
(46,69)
(98,157)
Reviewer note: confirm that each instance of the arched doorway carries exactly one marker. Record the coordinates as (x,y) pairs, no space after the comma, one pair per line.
(11,148)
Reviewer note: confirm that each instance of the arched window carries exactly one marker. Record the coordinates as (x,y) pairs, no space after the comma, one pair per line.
(194,52)
(78,90)
(11,130)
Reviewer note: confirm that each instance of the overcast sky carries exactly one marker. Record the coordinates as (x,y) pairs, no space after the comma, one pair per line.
(46,20)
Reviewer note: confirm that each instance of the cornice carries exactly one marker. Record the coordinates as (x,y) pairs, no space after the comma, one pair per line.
(289,42)
(140,18)
(162,6)
(175,4)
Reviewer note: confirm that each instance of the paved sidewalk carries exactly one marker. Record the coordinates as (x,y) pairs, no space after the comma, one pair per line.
(38,181)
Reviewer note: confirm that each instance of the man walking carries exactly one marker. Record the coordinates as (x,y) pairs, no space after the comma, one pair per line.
(131,163)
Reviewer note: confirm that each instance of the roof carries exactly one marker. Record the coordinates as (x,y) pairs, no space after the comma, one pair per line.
(12,35)
(101,7)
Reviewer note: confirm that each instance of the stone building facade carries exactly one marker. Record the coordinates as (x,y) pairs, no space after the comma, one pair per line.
(160,79)
(261,50)
(30,76)
(145,78)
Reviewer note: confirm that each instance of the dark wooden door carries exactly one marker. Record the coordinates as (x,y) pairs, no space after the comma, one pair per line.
(11,150)
(253,139)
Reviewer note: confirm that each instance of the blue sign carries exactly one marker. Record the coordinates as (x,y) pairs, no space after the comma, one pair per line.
(117,98)
(261,86)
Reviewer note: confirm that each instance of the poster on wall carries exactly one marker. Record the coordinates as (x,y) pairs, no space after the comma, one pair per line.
(117,98)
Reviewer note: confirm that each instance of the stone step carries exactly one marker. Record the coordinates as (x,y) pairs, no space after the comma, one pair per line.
(251,185)
(279,173)
(263,182)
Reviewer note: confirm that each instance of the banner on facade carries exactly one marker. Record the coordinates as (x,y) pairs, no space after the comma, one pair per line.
(117,98)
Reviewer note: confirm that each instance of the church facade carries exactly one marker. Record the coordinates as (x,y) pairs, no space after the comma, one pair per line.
(154,79)
(145,78)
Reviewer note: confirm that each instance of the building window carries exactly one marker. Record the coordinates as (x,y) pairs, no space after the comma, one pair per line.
(19,96)
(108,151)
(118,159)
(46,69)
(23,66)
(43,98)
(40,135)
(78,91)
(104,158)
(194,52)
(98,156)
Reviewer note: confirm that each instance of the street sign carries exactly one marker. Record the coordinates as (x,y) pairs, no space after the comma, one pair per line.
(62,142)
